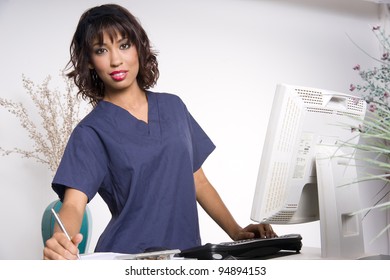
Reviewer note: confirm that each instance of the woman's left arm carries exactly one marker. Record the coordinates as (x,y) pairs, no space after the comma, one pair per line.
(212,203)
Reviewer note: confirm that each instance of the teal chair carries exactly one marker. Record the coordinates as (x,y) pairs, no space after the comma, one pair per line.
(48,222)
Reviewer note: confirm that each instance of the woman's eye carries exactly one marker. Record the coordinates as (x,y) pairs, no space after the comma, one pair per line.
(125,46)
(99,51)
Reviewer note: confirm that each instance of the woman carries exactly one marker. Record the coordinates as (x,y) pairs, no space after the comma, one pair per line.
(141,151)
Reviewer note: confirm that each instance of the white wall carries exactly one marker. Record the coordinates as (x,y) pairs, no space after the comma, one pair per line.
(223,57)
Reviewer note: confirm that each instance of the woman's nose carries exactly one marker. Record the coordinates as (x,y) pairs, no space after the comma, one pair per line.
(116,59)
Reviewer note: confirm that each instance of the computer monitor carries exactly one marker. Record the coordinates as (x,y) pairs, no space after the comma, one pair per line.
(307,170)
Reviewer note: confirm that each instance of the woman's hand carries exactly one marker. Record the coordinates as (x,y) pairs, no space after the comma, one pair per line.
(59,247)
(255,231)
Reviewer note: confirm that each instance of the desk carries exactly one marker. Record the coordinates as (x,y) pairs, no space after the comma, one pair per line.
(306,253)
(311,253)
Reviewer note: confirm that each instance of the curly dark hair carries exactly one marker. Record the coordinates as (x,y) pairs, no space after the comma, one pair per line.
(94,23)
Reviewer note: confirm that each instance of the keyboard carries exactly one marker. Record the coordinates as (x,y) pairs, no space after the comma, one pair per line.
(246,249)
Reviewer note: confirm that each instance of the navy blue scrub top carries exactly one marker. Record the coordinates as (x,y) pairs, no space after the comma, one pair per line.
(143,171)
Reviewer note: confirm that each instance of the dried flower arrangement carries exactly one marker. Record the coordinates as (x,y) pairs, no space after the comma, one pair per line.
(375,133)
(59,112)
(375,89)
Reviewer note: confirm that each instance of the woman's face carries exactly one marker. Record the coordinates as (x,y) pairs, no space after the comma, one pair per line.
(116,63)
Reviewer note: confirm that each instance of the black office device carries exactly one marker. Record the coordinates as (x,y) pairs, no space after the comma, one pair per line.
(257,248)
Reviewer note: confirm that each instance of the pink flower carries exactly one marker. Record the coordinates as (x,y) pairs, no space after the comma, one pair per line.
(386,95)
(385,56)
(352,87)
(376,27)
(372,107)
(356,67)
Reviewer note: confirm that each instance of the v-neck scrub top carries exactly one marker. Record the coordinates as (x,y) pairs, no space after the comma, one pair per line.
(143,171)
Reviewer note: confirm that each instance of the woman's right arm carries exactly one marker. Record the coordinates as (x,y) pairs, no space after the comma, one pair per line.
(58,247)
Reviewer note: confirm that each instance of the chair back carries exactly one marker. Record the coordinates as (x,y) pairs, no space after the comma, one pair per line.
(48,222)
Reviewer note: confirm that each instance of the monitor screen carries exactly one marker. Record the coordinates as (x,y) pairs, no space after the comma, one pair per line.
(306,126)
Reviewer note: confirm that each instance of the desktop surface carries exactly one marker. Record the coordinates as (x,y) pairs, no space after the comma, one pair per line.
(314,253)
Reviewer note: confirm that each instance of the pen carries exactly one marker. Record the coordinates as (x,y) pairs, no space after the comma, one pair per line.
(59,222)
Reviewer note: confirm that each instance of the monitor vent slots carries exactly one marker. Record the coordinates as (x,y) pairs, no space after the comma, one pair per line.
(331,112)
(314,98)
(310,96)
(278,179)
(356,104)
(288,130)
(281,217)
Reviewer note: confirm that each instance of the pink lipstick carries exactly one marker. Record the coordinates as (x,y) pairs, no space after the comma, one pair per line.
(118,75)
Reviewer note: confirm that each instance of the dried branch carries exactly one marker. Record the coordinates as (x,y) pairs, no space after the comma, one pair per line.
(59,112)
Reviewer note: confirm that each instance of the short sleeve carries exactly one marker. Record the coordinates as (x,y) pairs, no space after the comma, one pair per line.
(83,165)
(201,143)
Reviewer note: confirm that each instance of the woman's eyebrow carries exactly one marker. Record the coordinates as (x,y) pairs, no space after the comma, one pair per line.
(100,44)
(121,39)
(97,44)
